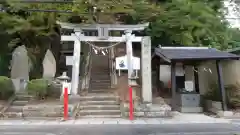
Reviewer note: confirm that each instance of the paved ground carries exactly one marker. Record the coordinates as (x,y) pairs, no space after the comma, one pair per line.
(236,121)
(177,119)
(164,129)
(158,121)
(184,124)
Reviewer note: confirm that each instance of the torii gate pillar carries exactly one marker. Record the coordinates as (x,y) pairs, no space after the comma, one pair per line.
(146,70)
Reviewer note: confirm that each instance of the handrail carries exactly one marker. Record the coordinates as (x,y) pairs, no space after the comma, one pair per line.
(87,67)
(113,71)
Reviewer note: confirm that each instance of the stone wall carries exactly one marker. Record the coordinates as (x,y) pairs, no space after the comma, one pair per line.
(44,110)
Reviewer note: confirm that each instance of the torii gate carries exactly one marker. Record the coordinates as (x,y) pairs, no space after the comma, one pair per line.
(128,37)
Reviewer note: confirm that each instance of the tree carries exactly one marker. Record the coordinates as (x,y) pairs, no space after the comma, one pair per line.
(183,22)
(234,36)
(190,23)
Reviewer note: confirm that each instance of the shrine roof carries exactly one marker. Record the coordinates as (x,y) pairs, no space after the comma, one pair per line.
(192,53)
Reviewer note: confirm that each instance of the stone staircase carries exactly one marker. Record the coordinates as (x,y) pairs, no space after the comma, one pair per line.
(100,102)
(100,82)
(100,76)
(15,110)
(99,105)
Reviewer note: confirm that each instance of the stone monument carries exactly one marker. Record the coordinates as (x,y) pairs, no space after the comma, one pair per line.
(49,65)
(20,67)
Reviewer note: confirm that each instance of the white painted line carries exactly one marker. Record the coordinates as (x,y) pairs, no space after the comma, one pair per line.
(200,133)
(51,123)
(14,122)
(97,122)
(25,133)
(68,122)
(81,122)
(36,122)
(152,121)
(139,122)
(110,122)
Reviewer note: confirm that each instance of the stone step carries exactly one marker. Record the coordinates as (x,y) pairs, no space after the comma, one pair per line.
(100,91)
(99,112)
(100,107)
(15,109)
(102,94)
(101,72)
(109,89)
(13,114)
(104,72)
(19,102)
(160,114)
(99,82)
(99,98)
(96,75)
(102,81)
(99,87)
(23,97)
(100,116)
(99,76)
(44,118)
(99,103)
(43,114)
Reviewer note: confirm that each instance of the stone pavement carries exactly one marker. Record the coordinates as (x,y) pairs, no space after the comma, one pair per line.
(179,119)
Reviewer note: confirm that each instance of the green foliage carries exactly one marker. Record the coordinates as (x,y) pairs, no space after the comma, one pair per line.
(54,90)
(42,89)
(190,23)
(235,40)
(232,93)
(213,93)
(181,22)
(38,88)
(7,88)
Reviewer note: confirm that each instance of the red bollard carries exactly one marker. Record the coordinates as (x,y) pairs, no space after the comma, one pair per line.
(66,103)
(130,104)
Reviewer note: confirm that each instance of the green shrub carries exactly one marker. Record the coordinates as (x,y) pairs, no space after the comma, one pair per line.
(232,93)
(213,93)
(38,88)
(54,90)
(7,88)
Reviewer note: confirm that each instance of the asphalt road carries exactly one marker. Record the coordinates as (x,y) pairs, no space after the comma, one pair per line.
(172,129)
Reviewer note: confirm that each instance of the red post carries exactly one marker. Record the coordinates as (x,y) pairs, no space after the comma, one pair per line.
(130,104)
(65,103)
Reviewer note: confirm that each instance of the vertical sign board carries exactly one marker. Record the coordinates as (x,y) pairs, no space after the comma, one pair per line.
(122,64)
(69,60)
(146,70)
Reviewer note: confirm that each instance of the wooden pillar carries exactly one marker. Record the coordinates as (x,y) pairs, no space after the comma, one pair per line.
(173,85)
(221,85)
(146,70)
(196,79)
(158,77)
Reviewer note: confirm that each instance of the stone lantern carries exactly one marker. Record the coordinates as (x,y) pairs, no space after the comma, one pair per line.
(64,79)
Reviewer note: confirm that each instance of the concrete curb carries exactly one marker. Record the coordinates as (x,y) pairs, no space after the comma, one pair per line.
(106,122)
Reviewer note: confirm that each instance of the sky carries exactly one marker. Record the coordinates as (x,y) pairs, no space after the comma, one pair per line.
(232,15)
